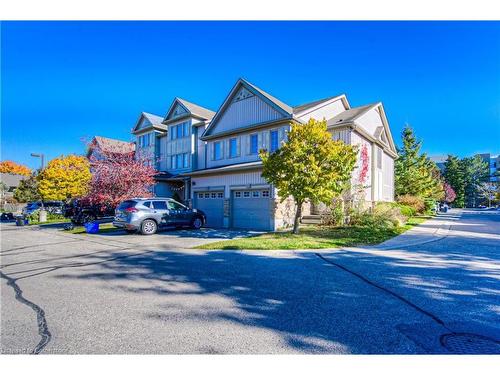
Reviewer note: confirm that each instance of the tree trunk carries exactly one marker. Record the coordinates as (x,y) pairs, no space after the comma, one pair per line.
(298,215)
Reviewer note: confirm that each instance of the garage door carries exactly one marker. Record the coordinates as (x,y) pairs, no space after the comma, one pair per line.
(212,204)
(251,209)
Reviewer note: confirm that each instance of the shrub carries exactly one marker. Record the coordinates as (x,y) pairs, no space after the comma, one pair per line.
(430,205)
(413,201)
(334,215)
(407,211)
(384,215)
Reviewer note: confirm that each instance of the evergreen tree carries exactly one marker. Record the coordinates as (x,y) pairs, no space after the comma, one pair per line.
(475,171)
(415,173)
(454,176)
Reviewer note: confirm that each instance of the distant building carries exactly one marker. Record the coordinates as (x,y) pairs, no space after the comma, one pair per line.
(493,165)
(439,160)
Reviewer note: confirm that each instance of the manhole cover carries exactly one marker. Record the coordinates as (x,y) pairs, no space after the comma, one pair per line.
(467,343)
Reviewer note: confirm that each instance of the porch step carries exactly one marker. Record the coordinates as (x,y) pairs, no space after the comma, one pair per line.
(311,219)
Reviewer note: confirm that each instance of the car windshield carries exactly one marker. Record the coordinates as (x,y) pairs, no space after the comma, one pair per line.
(126,204)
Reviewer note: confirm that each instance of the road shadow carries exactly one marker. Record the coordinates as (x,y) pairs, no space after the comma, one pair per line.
(300,297)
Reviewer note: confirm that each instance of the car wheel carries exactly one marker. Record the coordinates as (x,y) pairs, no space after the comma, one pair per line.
(197,223)
(149,226)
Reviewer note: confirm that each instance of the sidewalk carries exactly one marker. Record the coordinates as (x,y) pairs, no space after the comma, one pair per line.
(431,230)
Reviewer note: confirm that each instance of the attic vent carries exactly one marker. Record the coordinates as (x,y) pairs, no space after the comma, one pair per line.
(242,94)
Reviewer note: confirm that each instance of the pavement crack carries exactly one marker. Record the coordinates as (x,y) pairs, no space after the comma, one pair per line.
(394,294)
(43,329)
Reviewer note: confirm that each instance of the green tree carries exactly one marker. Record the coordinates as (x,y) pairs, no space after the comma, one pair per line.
(454,176)
(415,173)
(475,171)
(309,166)
(27,191)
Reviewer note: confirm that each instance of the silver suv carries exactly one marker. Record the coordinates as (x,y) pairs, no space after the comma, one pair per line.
(147,215)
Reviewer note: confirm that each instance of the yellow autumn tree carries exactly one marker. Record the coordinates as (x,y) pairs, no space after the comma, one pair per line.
(64,178)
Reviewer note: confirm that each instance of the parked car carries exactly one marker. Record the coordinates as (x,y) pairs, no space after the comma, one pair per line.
(81,212)
(55,207)
(147,215)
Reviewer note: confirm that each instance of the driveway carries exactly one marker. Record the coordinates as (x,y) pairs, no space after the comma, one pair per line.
(91,294)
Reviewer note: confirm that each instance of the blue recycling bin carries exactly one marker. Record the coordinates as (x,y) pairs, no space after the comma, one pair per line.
(92,227)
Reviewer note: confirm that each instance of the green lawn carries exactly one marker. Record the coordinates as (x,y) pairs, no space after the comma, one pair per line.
(50,221)
(315,237)
(103,228)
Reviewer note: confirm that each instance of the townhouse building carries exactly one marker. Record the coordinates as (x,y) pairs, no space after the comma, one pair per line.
(210,159)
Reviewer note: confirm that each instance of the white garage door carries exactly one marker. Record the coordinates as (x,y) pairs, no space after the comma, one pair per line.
(212,204)
(251,209)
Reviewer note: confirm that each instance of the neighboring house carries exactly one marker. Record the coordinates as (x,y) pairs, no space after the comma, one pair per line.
(9,182)
(210,160)
(102,145)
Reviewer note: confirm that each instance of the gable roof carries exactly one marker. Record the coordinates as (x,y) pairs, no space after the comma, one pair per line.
(154,120)
(284,109)
(197,110)
(304,107)
(191,110)
(113,145)
(350,115)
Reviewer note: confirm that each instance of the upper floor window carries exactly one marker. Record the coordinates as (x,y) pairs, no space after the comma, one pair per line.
(217,150)
(185,160)
(254,144)
(274,140)
(146,140)
(233,147)
(179,131)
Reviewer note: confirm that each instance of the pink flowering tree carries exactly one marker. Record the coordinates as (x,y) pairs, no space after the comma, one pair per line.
(449,193)
(118,175)
(365,165)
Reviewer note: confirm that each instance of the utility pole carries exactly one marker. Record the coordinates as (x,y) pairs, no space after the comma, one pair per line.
(43,214)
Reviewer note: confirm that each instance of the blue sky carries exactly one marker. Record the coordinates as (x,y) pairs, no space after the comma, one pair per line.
(62,81)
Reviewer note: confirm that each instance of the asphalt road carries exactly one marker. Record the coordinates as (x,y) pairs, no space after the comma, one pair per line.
(78,294)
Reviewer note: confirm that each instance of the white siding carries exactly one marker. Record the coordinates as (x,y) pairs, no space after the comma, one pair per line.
(388,178)
(242,113)
(370,121)
(343,135)
(357,139)
(325,112)
(228,180)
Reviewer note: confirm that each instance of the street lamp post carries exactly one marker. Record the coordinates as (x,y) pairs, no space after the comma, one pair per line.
(43,214)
